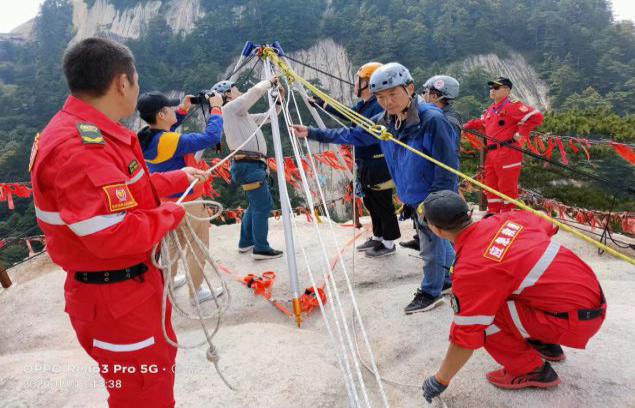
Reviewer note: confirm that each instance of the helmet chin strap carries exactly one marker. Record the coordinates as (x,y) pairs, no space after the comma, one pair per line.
(359,87)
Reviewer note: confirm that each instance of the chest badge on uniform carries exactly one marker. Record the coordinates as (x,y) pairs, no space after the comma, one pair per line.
(454,302)
(90,134)
(119,197)
(133,166)
(34,148)
(523,108)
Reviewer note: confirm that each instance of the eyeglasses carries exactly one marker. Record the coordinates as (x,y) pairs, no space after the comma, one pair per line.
(495,87)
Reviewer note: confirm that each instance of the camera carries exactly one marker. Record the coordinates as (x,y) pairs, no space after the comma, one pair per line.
(202,97)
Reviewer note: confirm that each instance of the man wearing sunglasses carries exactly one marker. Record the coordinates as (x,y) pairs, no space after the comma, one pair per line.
(506,122)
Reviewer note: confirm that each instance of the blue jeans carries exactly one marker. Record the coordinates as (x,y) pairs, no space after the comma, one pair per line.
(255,222)
(438,256)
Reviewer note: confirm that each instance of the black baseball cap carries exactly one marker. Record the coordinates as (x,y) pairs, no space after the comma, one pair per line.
(501,81)
(446,209)
(150,103)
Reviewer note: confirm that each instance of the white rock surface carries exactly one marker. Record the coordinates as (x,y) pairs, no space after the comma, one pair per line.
(274,364)
(528,86)
(104,19)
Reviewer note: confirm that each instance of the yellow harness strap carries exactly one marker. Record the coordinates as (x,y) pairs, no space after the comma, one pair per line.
(386,185)
(252,186)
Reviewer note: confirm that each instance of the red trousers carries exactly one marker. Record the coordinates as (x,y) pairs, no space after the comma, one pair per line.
(119,326)
(515,322)
(502,171)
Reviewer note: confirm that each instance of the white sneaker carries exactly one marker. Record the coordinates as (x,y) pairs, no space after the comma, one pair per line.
(245,249)
(179,280)
(203,295)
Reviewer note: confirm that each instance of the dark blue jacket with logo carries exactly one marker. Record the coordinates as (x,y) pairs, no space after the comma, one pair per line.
(371,170)
(425,129)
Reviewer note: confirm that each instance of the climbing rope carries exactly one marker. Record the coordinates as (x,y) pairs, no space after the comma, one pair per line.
(229,156)
(381,133)
(191,241)
(329,279)
(345,340)
(166,264)
(319,70)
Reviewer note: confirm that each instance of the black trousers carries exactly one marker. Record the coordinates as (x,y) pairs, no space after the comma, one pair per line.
(382,213)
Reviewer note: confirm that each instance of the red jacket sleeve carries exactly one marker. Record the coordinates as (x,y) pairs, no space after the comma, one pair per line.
(476,301)
(474,124)
(170,183)
(529,118)
(86,188)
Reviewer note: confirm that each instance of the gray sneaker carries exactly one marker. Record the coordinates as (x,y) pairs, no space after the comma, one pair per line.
(381,250)
(368,245)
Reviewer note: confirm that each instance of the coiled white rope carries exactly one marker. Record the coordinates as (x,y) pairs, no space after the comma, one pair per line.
(191,241)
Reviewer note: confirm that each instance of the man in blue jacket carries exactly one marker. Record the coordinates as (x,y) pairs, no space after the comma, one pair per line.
(164,149)
(425,128)
(373,179)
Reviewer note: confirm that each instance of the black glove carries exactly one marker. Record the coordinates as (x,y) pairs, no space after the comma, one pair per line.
(432,388)
(316,101)
(406,213)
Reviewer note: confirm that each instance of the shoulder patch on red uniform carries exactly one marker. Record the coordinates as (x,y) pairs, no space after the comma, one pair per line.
(119,197)
(523,108)
(34,149)
(133,166)
(502,241)
(90,134)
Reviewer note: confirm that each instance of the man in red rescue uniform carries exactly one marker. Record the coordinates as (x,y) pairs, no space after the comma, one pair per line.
(508,122)
(516,292)
(99,209)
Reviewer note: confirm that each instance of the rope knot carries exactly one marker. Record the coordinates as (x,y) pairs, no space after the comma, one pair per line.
(381,132)
(212,354)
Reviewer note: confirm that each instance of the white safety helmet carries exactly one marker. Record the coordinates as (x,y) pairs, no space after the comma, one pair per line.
(447,86)
(389,76)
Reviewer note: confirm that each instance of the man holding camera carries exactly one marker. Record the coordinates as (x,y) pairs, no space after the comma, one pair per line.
(249,167)
(100,212)
(164,150)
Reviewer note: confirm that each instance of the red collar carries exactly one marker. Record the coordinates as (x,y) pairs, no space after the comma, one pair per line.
(464,236)
(84,111)
(498,105)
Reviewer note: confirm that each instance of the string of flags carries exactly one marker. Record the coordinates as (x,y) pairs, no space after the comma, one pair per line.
(595,219)
(9,190)
(546,145)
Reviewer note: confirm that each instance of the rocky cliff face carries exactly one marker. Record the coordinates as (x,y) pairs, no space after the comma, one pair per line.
(528,86)
(326,55)
(105,20)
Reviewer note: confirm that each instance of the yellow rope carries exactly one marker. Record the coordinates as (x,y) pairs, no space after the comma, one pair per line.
(380,132)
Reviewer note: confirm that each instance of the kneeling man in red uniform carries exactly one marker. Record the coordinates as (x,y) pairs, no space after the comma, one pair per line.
(516,292)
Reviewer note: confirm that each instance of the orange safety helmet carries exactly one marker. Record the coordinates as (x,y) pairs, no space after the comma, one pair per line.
(366,70)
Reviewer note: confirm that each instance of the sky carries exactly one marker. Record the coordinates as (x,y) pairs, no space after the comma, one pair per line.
(17,12)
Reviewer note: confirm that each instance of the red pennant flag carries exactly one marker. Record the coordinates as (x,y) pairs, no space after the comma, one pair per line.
(572,146)
(562,152)
(628,224)
(625,151)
